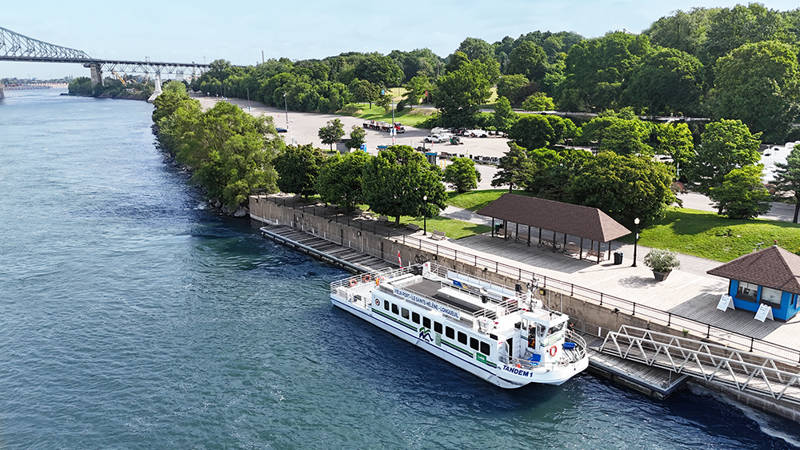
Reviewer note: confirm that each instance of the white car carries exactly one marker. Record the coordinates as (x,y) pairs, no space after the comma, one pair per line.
(436,139)
(477,133)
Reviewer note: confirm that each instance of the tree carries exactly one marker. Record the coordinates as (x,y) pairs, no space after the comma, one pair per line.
(734,27)
(724,145)
(298,168)
(475,48)
(364,91)
(512,168)
(340,179)
(624,186)
(504,116)
(685,31)
(532,131)
(417,88)
(395,182)
(787,178)
(514,87)
(380,70)
(676,141)
(614,132)
(459,93)
(173,96)
(760,85)
(331,132)
(597,68)
(357,137)
(538,102)
(742,194)
(461,174)
(528,59)
(668,81)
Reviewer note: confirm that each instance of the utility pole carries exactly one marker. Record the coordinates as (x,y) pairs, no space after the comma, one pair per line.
(262,57)
(286,107)
(248,99)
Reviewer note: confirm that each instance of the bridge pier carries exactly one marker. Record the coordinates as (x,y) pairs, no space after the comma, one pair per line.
(1,91)
(97,74)
(157,90)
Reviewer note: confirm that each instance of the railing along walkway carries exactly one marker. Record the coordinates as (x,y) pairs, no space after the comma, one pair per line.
(710,362)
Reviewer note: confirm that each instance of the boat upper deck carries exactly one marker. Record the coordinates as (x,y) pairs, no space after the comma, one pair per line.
(433,289)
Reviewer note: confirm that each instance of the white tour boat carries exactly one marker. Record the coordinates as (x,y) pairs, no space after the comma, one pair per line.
(498,334)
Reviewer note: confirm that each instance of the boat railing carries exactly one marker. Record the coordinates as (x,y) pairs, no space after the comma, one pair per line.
(574,355)
(369,277)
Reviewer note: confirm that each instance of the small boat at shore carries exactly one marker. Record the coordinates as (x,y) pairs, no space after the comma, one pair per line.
(498,334)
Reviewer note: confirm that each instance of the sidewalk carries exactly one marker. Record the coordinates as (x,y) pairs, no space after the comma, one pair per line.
(688,292)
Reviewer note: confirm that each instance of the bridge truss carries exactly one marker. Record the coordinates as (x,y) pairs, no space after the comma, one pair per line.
(744,371)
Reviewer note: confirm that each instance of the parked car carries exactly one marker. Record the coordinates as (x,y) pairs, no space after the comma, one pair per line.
(436,139)
(476,133)
(281,130)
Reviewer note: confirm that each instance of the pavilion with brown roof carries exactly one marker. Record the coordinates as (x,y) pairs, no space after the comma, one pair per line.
(770,276)
(583,222)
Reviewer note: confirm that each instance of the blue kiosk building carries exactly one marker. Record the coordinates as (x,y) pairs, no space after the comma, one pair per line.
(770,276)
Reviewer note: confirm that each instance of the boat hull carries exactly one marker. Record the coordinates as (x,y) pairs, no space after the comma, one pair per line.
(502,375)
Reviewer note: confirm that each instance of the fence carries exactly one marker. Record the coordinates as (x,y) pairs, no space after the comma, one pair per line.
(671,320)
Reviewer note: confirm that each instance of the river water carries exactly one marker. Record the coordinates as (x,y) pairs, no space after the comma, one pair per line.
(131,316)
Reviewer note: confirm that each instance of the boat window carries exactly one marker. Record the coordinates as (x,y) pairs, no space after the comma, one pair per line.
(473,343)
(386,304)
(557,328)
(462,337)
(541,330)
(404,313)
(426,322)
(394,308)
(485,348)
(449,332)
(437,327)
(415,317)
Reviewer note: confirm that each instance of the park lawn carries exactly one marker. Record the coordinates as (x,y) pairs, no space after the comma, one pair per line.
(475,200)
(708,235)
(453,228)
(408,117)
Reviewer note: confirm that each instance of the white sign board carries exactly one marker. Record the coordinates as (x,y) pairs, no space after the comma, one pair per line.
(764,312)
(725,303)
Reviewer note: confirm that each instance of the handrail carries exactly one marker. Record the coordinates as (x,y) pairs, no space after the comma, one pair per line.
(668,319)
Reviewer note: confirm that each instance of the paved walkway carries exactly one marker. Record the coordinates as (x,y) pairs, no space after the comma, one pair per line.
(778,210)
(689,292)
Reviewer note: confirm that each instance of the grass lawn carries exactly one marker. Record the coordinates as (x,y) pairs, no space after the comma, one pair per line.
(454,229)
(708,235)
(475,200)
(408,117)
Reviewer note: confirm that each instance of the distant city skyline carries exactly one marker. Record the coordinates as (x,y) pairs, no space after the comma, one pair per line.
(184,31)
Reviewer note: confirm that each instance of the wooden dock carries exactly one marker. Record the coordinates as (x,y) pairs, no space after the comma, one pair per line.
(651,381)
(338,255)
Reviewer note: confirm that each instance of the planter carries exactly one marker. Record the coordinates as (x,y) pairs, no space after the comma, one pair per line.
(660,276)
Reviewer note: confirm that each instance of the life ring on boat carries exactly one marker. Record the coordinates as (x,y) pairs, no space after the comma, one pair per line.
(353,282)
(553,350)
(366,278)
(377,302)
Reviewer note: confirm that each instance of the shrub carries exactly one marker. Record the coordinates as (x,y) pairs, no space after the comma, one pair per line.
(661,260)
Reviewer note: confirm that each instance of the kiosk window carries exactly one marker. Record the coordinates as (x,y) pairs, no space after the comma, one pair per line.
(747,291)
(771,296)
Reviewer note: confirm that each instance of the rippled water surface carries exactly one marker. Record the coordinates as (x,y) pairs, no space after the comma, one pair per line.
(130,316)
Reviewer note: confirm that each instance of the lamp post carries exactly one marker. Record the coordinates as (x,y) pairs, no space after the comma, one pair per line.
(286,108)
(635,239)
(425,216)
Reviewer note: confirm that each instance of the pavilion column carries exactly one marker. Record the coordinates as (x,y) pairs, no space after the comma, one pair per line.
(565,242)
(529,235)
(492,226)
(599,251)
(609,251)
(554,240)
(540,235)
(580,254)
(505,229)
(516,234)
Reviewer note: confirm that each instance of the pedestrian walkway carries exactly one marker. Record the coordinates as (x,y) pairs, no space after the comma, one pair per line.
(688,292)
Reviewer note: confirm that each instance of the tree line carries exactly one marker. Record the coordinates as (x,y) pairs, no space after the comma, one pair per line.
(732,63)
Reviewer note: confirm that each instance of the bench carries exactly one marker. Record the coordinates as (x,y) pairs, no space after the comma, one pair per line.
(593,254)
(438,235)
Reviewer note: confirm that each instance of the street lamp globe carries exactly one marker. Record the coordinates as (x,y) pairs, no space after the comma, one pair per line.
(636,221)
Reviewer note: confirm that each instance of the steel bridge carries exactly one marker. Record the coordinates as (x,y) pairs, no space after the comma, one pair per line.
(18,47)
(745,371)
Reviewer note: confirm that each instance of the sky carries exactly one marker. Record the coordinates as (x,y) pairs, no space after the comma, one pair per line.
(200,31)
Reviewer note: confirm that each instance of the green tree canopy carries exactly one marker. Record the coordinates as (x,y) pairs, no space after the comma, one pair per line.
(475,49)
(624,186)
(538,101)
(380,70)
(528,59)
(759,84)
(668,81)
(684,31)
(787,178)
(396,181)
(675,140)
(724,145)
(331,132)
(364,91)
(298,167)
(357,137)
(459,93)
(504,116)
(513,168)
(514,87)
(617,134)
(340,179)
(462,175)
(742,194)
(532,131)
(417,88)
(734,27)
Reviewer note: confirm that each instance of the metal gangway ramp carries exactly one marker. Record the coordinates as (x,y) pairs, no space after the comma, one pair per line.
(745,371)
